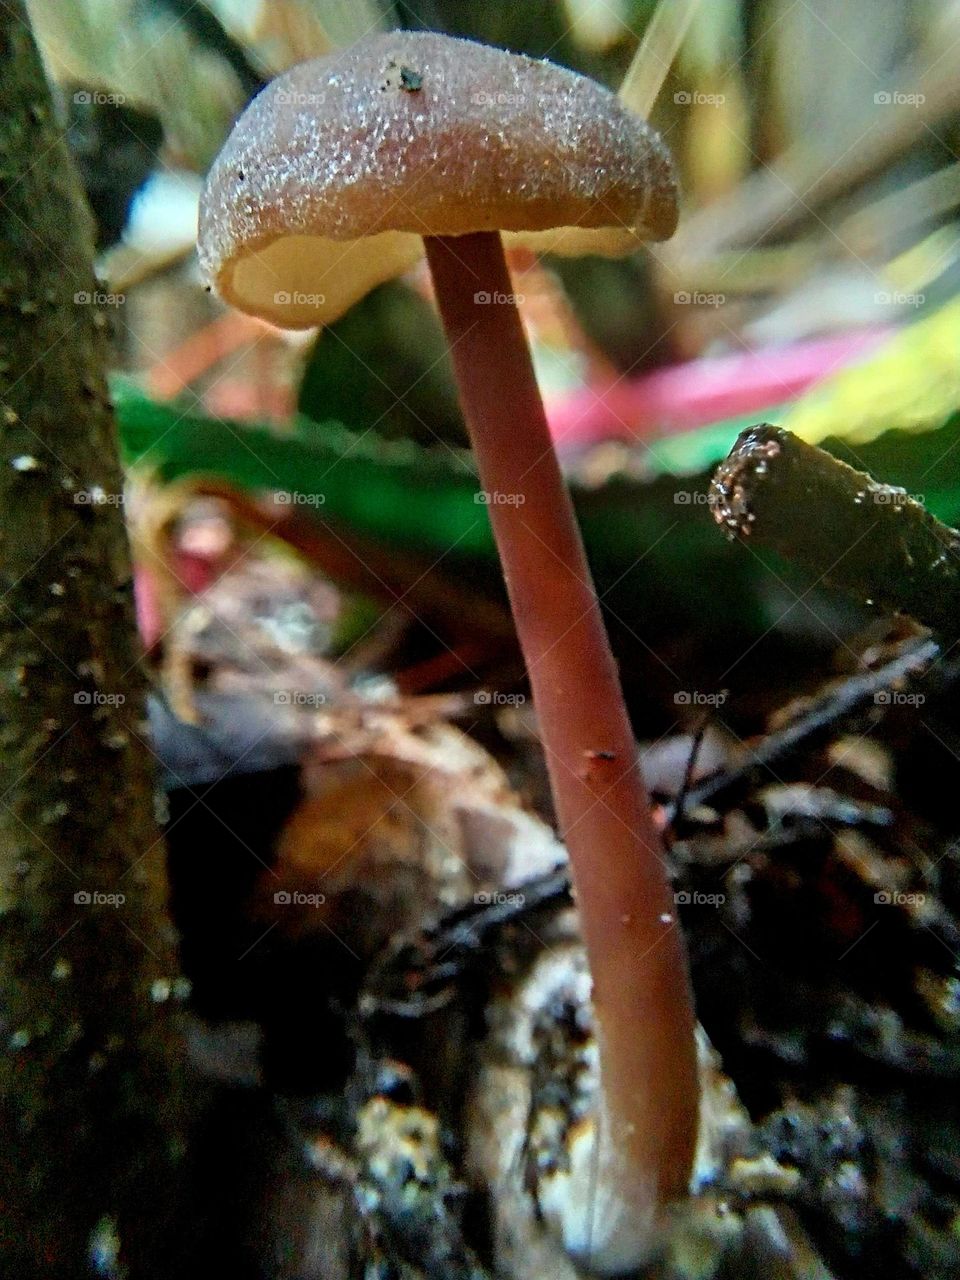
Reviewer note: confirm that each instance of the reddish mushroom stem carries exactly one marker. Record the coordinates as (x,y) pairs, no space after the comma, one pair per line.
(641,993)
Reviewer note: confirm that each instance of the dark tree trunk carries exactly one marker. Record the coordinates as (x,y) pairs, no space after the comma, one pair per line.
(90,1107)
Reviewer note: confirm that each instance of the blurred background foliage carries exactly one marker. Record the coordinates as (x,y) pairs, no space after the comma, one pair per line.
(811,281)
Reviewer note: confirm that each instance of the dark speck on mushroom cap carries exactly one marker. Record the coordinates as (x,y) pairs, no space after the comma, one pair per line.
(413,133)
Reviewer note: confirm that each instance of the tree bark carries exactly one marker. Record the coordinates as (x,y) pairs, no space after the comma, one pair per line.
(90,1107)
(872,540)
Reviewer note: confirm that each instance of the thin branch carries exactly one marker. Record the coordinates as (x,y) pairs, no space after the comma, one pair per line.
(872,540)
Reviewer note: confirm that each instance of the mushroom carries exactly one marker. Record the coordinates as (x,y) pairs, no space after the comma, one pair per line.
(335,178)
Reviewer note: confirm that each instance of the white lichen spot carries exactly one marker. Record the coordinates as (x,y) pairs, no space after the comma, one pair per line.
(104,1248)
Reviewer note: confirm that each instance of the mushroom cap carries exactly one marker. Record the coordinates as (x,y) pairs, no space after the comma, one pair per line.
(338,168)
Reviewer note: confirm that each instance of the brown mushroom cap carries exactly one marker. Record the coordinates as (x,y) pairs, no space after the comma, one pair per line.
(335,172)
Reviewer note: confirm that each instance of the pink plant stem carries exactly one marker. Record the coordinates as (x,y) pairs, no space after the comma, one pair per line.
(641,992)
(697,393)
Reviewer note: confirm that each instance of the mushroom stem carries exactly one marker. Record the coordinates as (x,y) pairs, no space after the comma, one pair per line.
(641,994)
